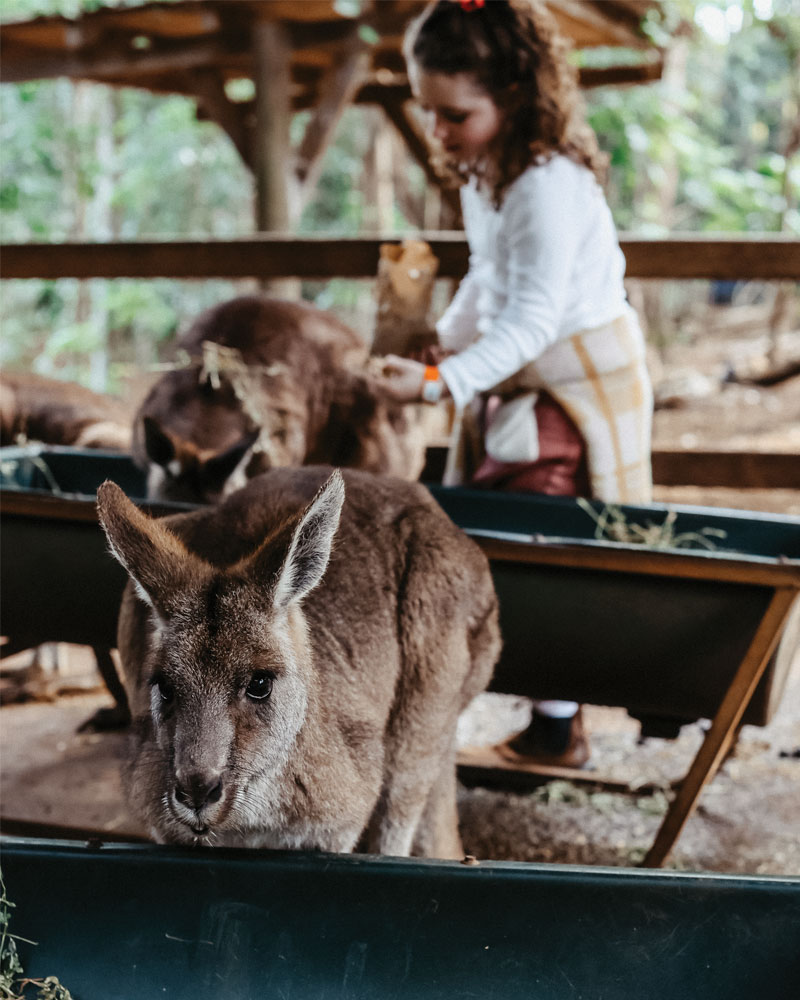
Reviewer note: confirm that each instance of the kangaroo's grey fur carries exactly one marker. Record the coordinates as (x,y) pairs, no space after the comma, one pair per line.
(372,647)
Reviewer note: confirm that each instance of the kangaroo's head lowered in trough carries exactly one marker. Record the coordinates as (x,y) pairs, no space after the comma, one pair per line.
(267,384)
(296,670)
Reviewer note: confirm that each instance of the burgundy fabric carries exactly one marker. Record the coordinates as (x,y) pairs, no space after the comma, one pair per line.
(560,470)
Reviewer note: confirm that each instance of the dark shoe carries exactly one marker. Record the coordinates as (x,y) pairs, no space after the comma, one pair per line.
(549,741)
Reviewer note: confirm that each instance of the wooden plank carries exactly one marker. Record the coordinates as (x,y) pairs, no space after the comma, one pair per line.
(120,65)
(47,507)
(336,90)
(771,257)
(174,21)
(589,77)
(619,76)
(264,257)
(723,727)
(586,26)
(733,469)
(610,558)
(158,69)
(768,257)
(400,116)
(11,827)
(738,470)
(271,133)
(487,766)
(291,10)
(232,118)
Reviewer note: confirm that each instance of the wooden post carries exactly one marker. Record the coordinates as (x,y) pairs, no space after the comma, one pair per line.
(337,90)
(402,119)
(214,102)
(271,148)
(723,727)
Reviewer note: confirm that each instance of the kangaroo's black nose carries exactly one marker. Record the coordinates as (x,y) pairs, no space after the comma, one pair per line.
(198,790)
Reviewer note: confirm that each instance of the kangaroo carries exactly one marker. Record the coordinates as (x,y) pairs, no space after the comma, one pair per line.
(36,408)
(292,692)
(288,385)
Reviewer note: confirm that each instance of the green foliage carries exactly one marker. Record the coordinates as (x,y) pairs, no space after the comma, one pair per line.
(13,984)
(723,135)
(174,174)
(339,203)
(87,162)
(19,10)
(10,965)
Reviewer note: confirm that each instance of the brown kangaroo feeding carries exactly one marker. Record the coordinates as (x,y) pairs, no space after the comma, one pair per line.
(268,383)
(297,659)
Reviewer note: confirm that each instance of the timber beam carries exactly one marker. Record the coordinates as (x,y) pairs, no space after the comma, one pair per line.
(337,89)
(770,257)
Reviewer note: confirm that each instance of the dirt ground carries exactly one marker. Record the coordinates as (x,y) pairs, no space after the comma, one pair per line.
(748,817)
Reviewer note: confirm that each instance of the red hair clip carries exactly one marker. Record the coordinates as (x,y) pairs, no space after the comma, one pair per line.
(471,4)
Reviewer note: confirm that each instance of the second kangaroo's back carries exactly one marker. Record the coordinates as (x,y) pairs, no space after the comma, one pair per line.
(54,411)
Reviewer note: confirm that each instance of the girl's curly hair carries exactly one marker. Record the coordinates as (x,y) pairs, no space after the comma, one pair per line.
(517,55)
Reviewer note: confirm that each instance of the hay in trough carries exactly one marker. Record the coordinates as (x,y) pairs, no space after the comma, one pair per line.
(613,525)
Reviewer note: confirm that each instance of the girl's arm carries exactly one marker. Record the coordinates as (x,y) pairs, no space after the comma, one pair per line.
(403,378)
(457,327)
(542,221)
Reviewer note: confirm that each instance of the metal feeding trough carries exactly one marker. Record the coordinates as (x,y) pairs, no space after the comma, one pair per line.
(119,922)
(659,632)
(672,635)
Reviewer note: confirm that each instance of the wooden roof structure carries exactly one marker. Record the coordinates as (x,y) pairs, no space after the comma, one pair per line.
(320,55)
(162,46)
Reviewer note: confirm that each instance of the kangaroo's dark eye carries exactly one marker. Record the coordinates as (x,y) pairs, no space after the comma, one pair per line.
(165,688)
(260,685)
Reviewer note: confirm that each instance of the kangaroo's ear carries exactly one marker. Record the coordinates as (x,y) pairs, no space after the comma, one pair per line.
(310,546)
(158,444)
(155,559)
(217,468)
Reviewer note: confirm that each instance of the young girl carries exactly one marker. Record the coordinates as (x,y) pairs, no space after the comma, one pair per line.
(539,333)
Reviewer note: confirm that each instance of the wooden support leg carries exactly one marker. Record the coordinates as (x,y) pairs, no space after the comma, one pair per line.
(723,727)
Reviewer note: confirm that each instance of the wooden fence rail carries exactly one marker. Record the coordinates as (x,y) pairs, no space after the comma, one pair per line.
(707,469)
(772,257)
(766,257)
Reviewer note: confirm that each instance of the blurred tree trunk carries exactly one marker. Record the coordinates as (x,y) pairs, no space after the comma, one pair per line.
(674,87)
(784,311)
(647,297)
(410,202)
(92,114)
(378,178)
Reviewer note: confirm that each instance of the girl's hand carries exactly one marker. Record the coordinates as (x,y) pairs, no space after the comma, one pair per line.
(402,379)
(430,355)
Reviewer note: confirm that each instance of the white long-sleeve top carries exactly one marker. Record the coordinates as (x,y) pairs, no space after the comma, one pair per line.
(544,266)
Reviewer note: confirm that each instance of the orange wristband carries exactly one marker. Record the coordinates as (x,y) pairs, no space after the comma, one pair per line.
(431,384)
